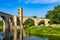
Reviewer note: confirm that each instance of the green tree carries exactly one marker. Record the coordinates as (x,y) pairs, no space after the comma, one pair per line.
(54,15)
(29,22)
(34,16)
(1,23)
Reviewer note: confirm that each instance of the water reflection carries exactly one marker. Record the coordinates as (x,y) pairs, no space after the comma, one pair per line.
(37,37)
(54,38)
(42,37)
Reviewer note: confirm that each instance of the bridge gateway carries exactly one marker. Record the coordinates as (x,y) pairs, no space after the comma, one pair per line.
(10,24)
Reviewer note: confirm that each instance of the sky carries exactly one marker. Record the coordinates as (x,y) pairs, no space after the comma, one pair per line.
(37,8)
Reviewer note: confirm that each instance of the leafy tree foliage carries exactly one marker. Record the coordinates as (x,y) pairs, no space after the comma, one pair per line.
(1,23)
(29,22)
(34,16)
(41,22)
(54,15)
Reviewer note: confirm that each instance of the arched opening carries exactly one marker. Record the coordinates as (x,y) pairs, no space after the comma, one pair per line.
(49,22)
(18,22)
(28,23)
(42,22)
(6,25)
(11,20)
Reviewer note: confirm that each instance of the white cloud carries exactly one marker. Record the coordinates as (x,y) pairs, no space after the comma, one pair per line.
(41,1)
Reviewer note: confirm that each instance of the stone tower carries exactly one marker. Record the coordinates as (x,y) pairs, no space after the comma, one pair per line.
(20,12)
(20,15)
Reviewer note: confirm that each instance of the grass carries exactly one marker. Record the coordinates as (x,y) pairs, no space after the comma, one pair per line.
(43,30)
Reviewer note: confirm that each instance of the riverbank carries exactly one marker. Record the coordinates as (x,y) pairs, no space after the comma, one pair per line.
(54,31)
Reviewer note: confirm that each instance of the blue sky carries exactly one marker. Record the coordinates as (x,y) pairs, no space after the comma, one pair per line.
(30,7)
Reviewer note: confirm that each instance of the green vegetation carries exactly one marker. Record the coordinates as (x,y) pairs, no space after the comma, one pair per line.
(54,15)
(1,25)
(34,16)
(1,28)
(43,30)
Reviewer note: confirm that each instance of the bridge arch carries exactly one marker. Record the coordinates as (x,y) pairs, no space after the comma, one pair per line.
(46,21)
(29,22)
(3,18)
(6,25)
(34,19)
(41,22)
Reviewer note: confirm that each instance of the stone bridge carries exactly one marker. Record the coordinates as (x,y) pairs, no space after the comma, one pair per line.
(13,23)
(36,20)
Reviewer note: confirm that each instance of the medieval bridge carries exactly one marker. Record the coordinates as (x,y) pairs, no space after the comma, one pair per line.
(10,23)
(36,20)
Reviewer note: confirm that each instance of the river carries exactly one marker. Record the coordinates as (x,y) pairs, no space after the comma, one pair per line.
(35,37)
(42,37)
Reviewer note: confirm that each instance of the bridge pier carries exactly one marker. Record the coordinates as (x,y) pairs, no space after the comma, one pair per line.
(10,25)
(15,25)
(36,22)
(46,23)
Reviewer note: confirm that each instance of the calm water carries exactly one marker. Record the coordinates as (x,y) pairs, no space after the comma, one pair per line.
(1,35)
(42,38)
(37,37)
